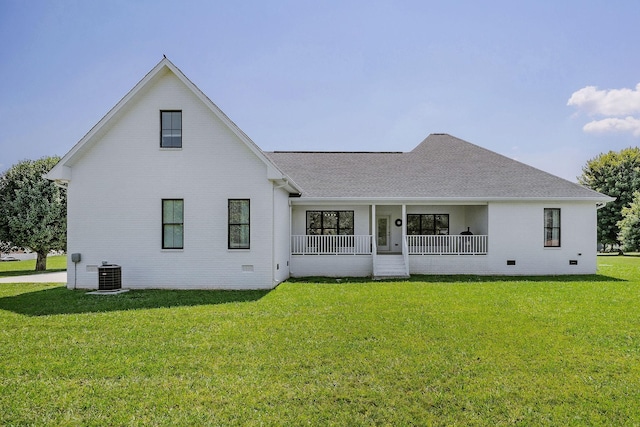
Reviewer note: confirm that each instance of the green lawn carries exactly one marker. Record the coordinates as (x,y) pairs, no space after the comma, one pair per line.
(23,268)
(469,351)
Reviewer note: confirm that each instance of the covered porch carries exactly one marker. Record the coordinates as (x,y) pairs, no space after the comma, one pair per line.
(385,240)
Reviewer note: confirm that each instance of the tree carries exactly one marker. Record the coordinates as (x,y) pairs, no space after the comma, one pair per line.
(630,224)
(33,210)
(616,174)
(7,247)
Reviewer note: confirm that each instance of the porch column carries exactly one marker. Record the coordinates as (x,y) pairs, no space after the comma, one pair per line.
(374,226)
(404,225)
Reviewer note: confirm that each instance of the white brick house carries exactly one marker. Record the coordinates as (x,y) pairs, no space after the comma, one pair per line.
(170,189)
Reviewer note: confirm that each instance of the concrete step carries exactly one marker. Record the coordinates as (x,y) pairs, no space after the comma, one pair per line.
(390,260)
(390,266)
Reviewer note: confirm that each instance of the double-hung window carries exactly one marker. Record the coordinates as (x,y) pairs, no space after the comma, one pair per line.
(171,129)
(427,224)
(239,224)
(172,224)
(551,228)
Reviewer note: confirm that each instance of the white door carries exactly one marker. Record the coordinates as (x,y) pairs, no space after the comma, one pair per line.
(384,232)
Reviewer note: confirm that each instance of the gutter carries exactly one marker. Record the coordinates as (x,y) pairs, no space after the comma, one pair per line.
(443,201)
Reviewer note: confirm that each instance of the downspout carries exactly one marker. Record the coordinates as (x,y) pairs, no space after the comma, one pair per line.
(289,239)
(273,230)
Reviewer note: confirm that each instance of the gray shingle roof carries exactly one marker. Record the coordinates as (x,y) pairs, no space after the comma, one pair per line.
(441,167)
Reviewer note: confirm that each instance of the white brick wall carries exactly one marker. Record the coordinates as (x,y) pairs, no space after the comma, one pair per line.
(117,187)
(516,232)
(448,264)
(331,265)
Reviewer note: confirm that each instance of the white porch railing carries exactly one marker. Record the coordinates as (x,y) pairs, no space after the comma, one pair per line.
(415,245)
(447,245)
(331,245)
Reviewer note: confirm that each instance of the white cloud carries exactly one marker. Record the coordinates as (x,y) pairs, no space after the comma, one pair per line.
(612,102)
(620,107)
(614,124)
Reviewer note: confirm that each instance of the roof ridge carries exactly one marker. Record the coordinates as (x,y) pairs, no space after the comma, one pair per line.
(334,152)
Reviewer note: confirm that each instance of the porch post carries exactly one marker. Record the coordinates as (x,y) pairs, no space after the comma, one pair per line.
(405,246)
(404,223)
(374,226)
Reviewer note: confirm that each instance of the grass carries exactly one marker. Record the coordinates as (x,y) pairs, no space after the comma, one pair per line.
(23,268)
(501,351)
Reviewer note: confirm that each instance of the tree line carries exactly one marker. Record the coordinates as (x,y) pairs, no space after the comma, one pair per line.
(617,174)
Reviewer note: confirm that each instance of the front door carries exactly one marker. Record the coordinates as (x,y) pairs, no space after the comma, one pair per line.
(383,233)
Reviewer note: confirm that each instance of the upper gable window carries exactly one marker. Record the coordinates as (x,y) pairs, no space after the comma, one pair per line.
(171,129)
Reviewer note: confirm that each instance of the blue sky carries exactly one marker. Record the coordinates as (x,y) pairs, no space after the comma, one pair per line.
(549,83)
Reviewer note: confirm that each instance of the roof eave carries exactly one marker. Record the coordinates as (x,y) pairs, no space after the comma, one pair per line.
(80,145)
(442,200)
(287,184)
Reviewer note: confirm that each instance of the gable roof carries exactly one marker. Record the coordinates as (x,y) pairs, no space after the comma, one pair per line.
(441,167)
(62,173)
